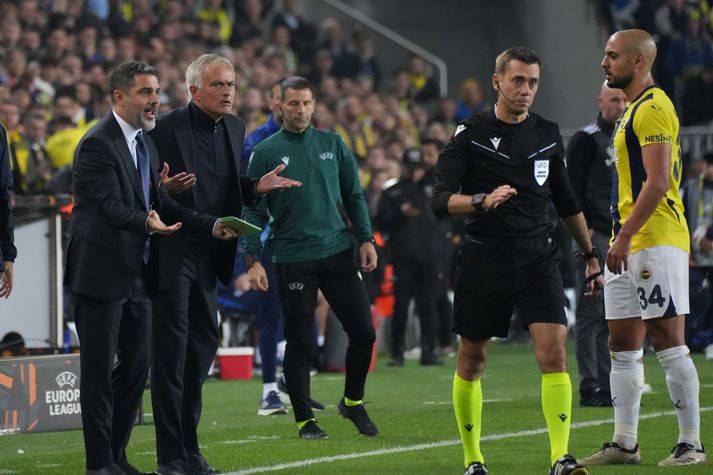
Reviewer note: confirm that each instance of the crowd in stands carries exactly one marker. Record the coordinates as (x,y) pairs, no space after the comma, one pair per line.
(683,30)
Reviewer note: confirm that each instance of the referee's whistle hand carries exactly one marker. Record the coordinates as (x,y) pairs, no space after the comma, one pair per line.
(498,196)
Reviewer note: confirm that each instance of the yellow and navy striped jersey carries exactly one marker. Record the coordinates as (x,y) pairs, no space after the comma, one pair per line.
(648,119)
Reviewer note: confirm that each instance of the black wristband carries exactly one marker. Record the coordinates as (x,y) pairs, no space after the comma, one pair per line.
(369,239)
(591,254)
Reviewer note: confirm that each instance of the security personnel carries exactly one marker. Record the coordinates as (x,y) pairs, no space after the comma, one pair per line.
(501,169)
(590,169)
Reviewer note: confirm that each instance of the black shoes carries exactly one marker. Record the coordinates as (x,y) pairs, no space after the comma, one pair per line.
(567,465)
(282,387)
(200,465)
(476,468)
(125,468)
(176,467)
(396,361)
(430,359)
(312,431)
(358,415)
(595,398)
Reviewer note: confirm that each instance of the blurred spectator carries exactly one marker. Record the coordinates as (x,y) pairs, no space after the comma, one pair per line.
(66,105)
(671,21)
(354,127)
(368,65)
(470,99)
(688,56)
(15,63)
(697,99)
(346,64)
(280,45)
(213,13)
(62,142)
(249,21)
(37,169)
(303,34)
(422,86)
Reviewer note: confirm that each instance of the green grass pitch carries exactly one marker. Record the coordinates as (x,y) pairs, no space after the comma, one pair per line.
(412,408)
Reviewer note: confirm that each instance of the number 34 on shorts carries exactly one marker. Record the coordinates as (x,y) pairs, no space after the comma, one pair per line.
(655,297)
(655,285)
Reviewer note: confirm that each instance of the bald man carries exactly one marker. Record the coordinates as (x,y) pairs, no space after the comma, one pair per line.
(646,273)
(590,167)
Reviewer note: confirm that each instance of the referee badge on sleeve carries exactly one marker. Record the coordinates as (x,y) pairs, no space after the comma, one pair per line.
(542,171)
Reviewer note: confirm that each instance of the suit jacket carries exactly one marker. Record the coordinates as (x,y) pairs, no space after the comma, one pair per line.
(8,252)
(173,136)
(108,231)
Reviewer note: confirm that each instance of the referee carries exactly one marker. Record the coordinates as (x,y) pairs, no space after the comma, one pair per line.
(502,169)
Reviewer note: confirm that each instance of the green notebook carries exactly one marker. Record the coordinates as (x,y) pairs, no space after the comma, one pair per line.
(244,227)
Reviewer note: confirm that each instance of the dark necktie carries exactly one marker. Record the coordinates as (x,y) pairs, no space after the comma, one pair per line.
(142,164)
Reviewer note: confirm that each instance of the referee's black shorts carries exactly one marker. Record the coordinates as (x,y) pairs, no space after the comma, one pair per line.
(495,276)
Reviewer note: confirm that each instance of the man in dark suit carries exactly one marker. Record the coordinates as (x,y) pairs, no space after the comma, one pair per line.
(111,259)
(201,141)
(8,252)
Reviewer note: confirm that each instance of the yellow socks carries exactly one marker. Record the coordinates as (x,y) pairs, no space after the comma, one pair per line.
(557,408)
(468,405)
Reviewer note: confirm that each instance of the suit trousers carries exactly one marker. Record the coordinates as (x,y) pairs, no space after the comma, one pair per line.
(185,340)
(591,333)
(338,278)
(115,351)
(418,281)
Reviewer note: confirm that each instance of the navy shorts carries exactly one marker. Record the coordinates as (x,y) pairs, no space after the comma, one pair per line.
(496,276)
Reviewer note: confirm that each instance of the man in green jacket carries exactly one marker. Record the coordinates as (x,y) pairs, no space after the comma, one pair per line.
(312,249)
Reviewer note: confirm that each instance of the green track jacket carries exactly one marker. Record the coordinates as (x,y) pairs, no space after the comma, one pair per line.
(310,222)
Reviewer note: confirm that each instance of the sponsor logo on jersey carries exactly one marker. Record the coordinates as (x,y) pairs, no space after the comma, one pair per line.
(657,138)
(326,155)
(495,141)
(285,160)
(646,274)
(542,171)
(295,286)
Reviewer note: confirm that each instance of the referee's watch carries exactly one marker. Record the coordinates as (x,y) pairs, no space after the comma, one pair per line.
(591,254)
(477,202)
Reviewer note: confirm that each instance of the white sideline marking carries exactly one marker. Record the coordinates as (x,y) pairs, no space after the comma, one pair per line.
(432,445)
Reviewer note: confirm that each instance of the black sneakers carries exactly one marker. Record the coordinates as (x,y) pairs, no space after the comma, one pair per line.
(312,431)
(358,415)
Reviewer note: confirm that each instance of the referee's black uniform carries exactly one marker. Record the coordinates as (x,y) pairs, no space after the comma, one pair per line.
(507,258)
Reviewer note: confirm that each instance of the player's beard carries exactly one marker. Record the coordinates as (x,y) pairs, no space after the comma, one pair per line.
(621,82)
